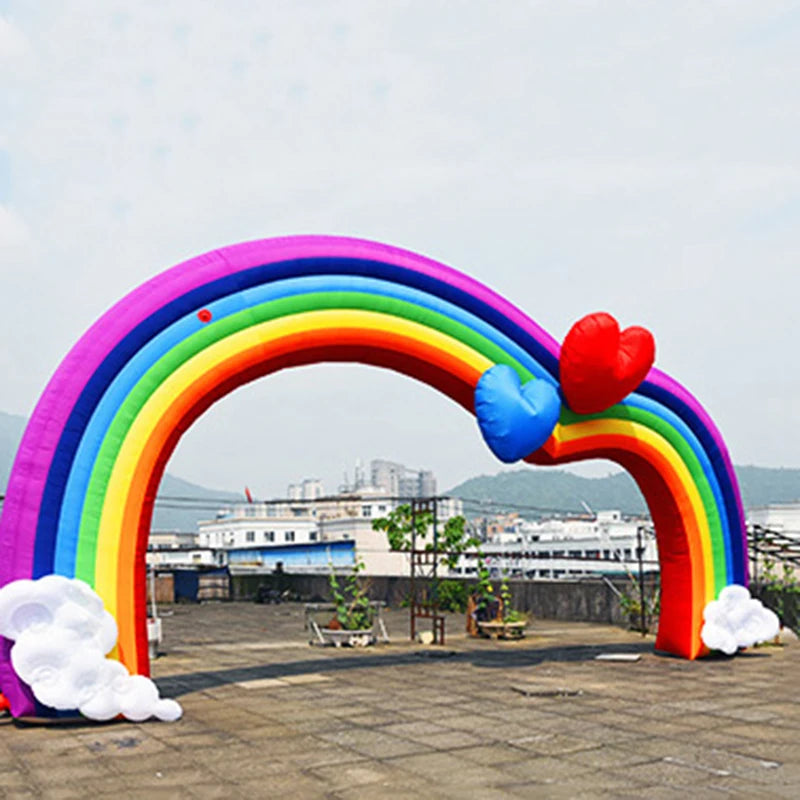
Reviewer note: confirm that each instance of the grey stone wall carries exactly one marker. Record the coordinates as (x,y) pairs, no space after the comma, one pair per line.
(590,600)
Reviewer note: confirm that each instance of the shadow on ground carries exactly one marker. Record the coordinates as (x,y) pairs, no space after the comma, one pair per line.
(177,685)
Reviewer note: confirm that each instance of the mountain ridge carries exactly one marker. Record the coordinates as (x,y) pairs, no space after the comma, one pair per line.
(559,490)
(167,515)
(544,490)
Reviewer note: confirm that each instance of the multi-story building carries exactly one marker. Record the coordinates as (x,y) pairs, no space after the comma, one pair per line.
(565,547)
(260,524)
(179,549)
(780,517)
(307,489)
(171,540)
(310,534)
(400,481)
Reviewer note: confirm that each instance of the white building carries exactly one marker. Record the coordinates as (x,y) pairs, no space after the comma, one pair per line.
(171,540)
(568,547)
(307,489)
(167,549)
(260,524)
(306,535)
(185,558)
(397,480)
(783,519)
(780,517)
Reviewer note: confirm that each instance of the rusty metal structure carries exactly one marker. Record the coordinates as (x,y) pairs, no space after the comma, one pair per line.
(425,563)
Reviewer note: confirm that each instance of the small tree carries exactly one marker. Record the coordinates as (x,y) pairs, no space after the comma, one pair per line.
(399,526)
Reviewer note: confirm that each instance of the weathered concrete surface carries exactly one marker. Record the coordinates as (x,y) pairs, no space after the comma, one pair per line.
(268,716)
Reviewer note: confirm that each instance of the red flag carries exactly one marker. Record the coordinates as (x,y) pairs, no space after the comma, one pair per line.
(248,495)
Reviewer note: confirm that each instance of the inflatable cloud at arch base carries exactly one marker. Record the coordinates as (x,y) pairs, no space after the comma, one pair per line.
(81,492)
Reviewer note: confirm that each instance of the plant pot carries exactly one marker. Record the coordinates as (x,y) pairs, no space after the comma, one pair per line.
(341,638)
(497,629)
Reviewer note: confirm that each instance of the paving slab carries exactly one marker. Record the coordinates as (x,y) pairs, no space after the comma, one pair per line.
(267,715)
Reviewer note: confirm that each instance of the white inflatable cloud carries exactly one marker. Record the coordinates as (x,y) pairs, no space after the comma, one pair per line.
(61,635)
(737,620)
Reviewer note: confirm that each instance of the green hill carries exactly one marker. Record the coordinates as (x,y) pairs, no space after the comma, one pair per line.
(528,489)
(558,490)
(549,490)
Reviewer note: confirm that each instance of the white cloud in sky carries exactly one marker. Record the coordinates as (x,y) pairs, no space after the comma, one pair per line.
(14,233)
(13,44)
(575,156)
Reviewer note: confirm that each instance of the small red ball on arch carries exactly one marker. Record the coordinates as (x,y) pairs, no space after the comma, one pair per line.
(205,315)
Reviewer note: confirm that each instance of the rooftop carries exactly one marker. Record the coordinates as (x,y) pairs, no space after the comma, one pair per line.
(267,715)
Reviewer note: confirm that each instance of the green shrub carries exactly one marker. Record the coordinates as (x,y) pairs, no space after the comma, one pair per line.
(453,596)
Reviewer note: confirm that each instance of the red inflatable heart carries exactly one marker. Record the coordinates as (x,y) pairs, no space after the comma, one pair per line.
(600,365)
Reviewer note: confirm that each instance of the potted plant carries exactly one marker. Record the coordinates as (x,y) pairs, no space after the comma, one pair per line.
(352,622)
(514,621)
(484,607)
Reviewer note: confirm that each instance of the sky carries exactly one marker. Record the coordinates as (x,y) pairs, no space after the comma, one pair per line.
(640,158)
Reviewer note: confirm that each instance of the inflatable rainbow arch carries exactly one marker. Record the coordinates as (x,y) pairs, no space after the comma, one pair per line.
(81,493)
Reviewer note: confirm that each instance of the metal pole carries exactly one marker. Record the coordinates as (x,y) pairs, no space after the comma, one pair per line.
(153,592)
(755,561)
(413,598)
(640,556)
(435,557)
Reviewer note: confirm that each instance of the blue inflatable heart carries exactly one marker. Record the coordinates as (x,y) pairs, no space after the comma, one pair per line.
(515,420)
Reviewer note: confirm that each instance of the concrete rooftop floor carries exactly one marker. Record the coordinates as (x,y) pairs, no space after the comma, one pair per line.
(268,716)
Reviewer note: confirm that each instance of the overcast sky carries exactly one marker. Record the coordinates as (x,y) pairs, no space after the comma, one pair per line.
(640,158)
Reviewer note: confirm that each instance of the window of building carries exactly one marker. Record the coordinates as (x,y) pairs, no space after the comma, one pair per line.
(592,554)
(627,552)
(381,509)
(312,536)
(250,536)
(269,536)
(575,553)
(366,511)
(288,536)
(606,554)
(558,554)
